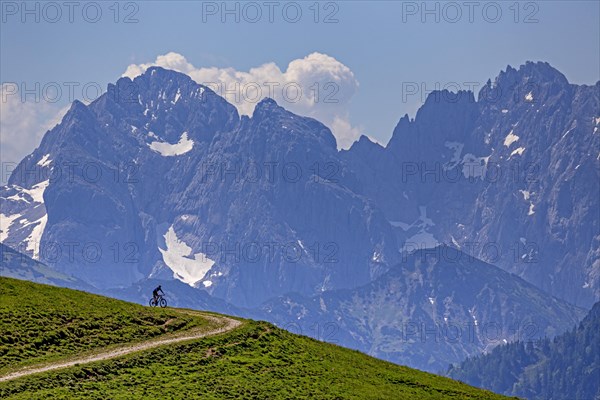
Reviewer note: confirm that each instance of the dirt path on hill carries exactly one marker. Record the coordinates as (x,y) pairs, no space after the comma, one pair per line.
(229,325)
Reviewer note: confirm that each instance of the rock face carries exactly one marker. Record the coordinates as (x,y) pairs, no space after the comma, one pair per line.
(160,176)
(511,178)
(106,185)
(160,179)
(437,307)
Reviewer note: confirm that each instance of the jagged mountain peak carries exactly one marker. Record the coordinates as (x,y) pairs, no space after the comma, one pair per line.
(365,140)
(266,103)
(269,117)
(531,82)
(77,106)
(445,116)
(540,71)
(447,96)
(161,76)
(521,154)
(364,143)
(159,84)
(77,112)
(267,108)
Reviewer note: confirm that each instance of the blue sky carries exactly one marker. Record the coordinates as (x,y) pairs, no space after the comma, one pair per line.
(384,44)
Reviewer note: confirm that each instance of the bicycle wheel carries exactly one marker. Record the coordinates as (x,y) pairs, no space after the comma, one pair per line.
(163,303)
(152,303)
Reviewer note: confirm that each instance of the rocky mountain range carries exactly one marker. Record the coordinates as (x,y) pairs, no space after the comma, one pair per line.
(511,177)
(438,306)
(160,179)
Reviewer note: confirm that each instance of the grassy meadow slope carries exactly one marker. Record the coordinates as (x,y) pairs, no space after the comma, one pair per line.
(40,323)
(254,361)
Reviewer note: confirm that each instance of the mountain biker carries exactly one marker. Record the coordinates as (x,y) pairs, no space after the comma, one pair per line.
(155,292)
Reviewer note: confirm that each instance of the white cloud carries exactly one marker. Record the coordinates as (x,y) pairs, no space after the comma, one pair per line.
(22,126)
(345,133)
(317,85)
(171,60)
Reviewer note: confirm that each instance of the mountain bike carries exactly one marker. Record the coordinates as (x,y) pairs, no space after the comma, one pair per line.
(159,301)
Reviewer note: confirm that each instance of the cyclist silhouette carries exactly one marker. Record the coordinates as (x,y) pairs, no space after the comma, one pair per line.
(155,292)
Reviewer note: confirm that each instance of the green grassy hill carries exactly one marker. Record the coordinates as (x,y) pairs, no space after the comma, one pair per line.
(41,323)
(44,324)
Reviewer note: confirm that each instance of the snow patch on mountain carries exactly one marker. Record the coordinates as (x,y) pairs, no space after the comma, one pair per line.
(423,239)
(472,166)
(34,238)
(457,147)
(187,267)
(5,223)
(376,257)
(167,149)
(177,96)
(37,191)
(510,139)
(44,161)
(34,198)
(18,197)
(566,133)
(525,194)
(518,151)
(454,242)
(399,224)
(472,313)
